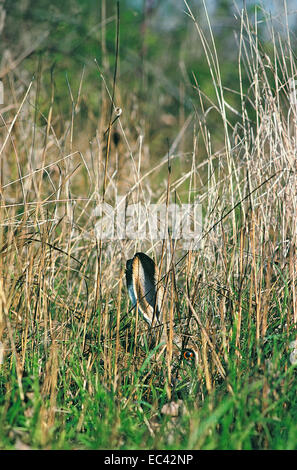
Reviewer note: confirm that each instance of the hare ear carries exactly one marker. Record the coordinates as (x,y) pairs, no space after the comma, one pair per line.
(142,279)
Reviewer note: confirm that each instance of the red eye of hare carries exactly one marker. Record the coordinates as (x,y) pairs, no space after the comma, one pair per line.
(188,355)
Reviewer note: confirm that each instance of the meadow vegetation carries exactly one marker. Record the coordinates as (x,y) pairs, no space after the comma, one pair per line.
(208,115)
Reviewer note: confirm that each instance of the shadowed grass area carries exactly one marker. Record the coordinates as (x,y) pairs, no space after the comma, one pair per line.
(78,369)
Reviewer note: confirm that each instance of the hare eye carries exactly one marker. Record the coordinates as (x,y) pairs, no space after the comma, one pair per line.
(188,355)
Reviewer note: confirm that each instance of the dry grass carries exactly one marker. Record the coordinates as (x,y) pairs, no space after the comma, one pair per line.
(75,366)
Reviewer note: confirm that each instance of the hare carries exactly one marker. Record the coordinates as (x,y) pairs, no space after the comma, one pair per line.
(146,294)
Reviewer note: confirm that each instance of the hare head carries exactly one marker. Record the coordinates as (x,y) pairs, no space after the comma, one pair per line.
(147,294)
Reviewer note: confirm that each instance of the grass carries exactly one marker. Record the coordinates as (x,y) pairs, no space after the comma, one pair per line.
(76,369)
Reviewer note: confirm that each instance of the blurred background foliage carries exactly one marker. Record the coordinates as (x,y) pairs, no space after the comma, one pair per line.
(161,60)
